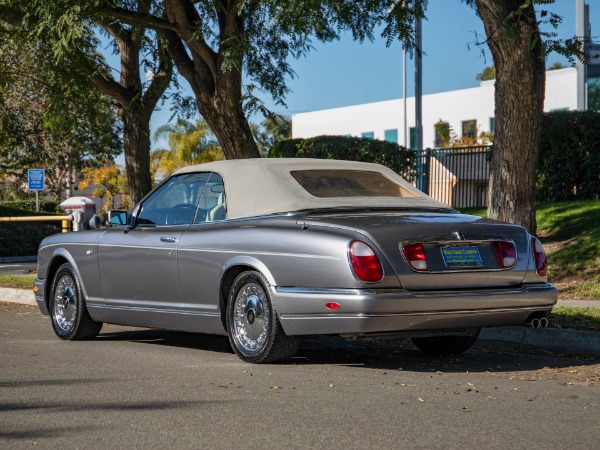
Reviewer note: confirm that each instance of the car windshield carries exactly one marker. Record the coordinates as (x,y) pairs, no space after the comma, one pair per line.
(349,183)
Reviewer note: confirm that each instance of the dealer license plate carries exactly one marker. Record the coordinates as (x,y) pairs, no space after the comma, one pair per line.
(462,256)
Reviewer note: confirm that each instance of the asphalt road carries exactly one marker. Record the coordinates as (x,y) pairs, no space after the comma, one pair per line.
(17,268)
(139,388)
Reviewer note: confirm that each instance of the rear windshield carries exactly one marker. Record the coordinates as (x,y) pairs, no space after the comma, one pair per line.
(349,183)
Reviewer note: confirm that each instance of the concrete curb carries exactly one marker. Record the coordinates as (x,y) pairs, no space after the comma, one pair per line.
(14,295)
(568,342)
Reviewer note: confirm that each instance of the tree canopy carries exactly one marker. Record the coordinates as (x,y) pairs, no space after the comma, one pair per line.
(229,50)
(49,119)
(71,32)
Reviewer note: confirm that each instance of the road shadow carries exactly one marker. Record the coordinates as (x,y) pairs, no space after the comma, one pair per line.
(389,354)
(45,430)
(180,339)
(401,354)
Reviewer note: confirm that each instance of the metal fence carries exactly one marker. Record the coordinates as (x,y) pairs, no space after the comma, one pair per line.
(456,176)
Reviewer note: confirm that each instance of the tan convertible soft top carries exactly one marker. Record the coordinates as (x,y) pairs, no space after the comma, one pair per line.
(262,186)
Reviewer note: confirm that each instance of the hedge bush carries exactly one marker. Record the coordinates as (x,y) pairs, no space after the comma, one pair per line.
(391,155)
(23,238)
(27,207)
(569,159)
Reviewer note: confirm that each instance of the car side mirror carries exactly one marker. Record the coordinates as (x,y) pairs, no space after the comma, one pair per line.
(117,217)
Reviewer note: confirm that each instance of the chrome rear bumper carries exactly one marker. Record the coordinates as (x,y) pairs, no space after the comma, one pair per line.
(364,311)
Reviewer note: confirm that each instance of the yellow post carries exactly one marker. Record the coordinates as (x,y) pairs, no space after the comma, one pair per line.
(66,225)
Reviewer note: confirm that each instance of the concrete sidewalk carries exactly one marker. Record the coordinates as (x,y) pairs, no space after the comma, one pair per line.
(568,342)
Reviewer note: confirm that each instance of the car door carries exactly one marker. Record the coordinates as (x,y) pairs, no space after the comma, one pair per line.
(203,251)
(138,264)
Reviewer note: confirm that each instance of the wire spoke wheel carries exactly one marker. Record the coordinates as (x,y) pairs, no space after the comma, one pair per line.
(253,327)
(251,318)
(64,312)
(70,317)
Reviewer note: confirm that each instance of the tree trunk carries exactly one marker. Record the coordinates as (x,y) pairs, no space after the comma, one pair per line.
(214,76)
(225,116)
(134,105)
(516,47)
(136,142)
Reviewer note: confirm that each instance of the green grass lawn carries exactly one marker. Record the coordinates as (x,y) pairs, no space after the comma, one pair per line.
(16,281)
(587,319)
(570,232)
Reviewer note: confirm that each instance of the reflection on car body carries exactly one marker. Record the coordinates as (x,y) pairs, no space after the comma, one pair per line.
(269,250)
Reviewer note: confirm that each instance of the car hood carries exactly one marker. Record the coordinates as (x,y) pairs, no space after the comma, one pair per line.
(389,230)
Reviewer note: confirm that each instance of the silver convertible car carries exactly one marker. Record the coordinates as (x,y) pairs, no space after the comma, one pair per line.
(269,250)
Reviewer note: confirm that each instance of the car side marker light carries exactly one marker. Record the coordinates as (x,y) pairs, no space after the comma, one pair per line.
(333,306)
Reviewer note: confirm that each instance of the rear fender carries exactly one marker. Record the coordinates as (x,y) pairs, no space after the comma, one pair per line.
(250,261)
(243,262)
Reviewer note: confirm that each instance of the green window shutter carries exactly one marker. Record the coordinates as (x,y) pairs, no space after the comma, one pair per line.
(492,125)
(413,138)
(391,136)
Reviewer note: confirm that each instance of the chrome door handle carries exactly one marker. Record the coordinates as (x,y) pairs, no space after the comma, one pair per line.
(168,239)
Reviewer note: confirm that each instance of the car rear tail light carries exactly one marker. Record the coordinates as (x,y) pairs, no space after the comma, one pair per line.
(415,255)
(541,265)
(506,253)
(364,262)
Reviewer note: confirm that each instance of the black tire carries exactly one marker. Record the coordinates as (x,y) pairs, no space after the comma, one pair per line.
(446,345)
(70,318)
(254,331)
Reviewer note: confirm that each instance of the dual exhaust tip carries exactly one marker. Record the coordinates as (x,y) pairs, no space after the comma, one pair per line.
(538,322)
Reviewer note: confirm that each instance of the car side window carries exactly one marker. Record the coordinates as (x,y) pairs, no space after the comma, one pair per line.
(175,202)
(212,206)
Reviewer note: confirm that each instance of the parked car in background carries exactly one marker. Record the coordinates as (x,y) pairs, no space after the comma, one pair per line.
(269,250)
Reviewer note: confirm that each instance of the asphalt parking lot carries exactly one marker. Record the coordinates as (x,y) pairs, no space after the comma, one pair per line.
(140,388)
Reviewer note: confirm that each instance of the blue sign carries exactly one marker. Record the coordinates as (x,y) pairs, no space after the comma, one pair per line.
(35,179)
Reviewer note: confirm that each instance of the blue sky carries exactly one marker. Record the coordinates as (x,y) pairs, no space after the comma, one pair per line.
(346,72)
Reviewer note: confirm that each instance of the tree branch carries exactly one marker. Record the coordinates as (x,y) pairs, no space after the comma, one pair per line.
(136,18)
(160,81)
(113,28)
(189,29)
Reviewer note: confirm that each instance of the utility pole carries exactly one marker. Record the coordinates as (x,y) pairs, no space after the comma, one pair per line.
(418,102)
(405,133)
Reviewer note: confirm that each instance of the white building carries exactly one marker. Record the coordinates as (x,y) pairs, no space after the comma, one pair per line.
(465,110)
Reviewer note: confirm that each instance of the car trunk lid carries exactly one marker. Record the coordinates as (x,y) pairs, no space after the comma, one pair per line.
(461,251)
